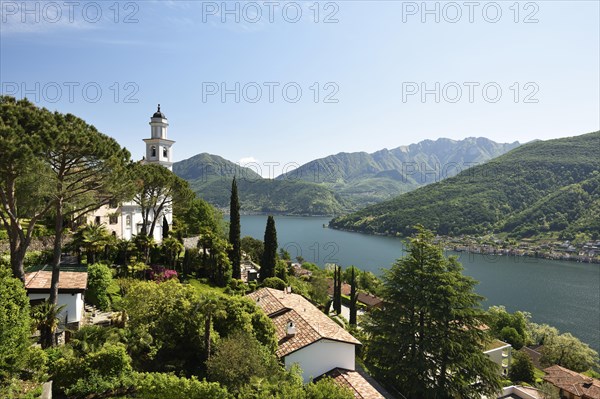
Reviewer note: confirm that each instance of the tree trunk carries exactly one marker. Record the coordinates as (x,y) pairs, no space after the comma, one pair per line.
(207,323)
(17,258)
(57,251)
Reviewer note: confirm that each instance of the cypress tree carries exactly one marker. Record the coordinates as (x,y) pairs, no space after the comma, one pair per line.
(235,254)
(353,298)
(335,285)
(337,292)
(267,268)
(165,228)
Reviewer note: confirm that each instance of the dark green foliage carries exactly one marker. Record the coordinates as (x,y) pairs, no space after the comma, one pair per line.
(213,257)
(353,297)
(274,282)
(253,247)
(14,324)
(99,279)
(511,328)
(269,259)
(521,369)
(512,336)
(235,254)
(426,342)
(337,289)
(544,186)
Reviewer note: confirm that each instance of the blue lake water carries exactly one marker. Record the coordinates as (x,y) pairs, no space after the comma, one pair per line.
(563,294)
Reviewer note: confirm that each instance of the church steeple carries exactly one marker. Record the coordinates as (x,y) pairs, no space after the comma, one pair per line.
(158,146)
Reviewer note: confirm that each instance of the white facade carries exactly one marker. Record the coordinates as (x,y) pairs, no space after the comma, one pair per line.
(125,220)
(73,311)
(501,356)
(321,357)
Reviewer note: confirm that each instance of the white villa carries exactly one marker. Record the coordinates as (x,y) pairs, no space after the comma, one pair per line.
(309,338)
(500,353)
(125,220)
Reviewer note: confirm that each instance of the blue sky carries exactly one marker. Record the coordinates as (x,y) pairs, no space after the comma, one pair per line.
(373,59)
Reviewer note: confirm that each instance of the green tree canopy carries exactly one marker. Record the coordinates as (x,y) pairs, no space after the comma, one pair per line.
(253,247)
(521,369)
(158,190)
(426,342)
(25,179)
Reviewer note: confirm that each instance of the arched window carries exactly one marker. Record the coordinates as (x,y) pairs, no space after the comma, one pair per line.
(165,152)
(128,221)
(153,149)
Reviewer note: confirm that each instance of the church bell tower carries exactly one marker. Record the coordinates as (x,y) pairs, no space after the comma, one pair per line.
(158,146)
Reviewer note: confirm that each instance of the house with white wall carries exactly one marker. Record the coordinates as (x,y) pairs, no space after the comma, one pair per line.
(71,291)
(500,353)
(309,338)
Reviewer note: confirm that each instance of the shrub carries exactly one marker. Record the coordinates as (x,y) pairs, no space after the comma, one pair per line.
(108,369)
(274,282)
(169,386)
(99,279)
(14,324)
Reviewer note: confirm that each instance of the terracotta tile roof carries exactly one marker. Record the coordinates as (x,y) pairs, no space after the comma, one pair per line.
(577,384)
(346,288)
(40,280)
(368,299)
(355,382)
(311,324)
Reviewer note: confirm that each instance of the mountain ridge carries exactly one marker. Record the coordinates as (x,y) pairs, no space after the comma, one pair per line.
(338,183)
(542,187)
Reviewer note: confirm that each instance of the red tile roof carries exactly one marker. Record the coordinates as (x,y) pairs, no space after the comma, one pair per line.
(368,299)
(346,288)
(69,281)
(311,324)
(355,382)
(581,386)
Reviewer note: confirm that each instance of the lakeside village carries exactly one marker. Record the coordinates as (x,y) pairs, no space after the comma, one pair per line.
(149,299)
(576,251)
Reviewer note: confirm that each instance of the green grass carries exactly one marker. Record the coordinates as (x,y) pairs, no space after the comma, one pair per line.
(114,294)
(205,288)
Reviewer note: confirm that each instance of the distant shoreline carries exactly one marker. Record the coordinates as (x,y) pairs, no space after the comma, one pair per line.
(458,244)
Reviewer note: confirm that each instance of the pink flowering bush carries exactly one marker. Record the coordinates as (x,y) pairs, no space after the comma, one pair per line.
(160,273)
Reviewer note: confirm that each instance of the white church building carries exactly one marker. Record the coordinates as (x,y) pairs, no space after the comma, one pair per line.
(125,220)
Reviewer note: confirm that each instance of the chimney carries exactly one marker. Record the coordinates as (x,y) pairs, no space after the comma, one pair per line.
(291,329)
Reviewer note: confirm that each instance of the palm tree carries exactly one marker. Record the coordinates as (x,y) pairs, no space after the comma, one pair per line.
(93,238)
(172,248)
(45,317)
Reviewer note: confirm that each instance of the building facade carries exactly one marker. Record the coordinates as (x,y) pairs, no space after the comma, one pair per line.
(125,220)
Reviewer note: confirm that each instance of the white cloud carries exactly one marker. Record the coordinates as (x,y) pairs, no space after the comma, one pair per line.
(247,160)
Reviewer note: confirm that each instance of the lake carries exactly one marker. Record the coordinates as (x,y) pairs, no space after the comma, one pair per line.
(563,294)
